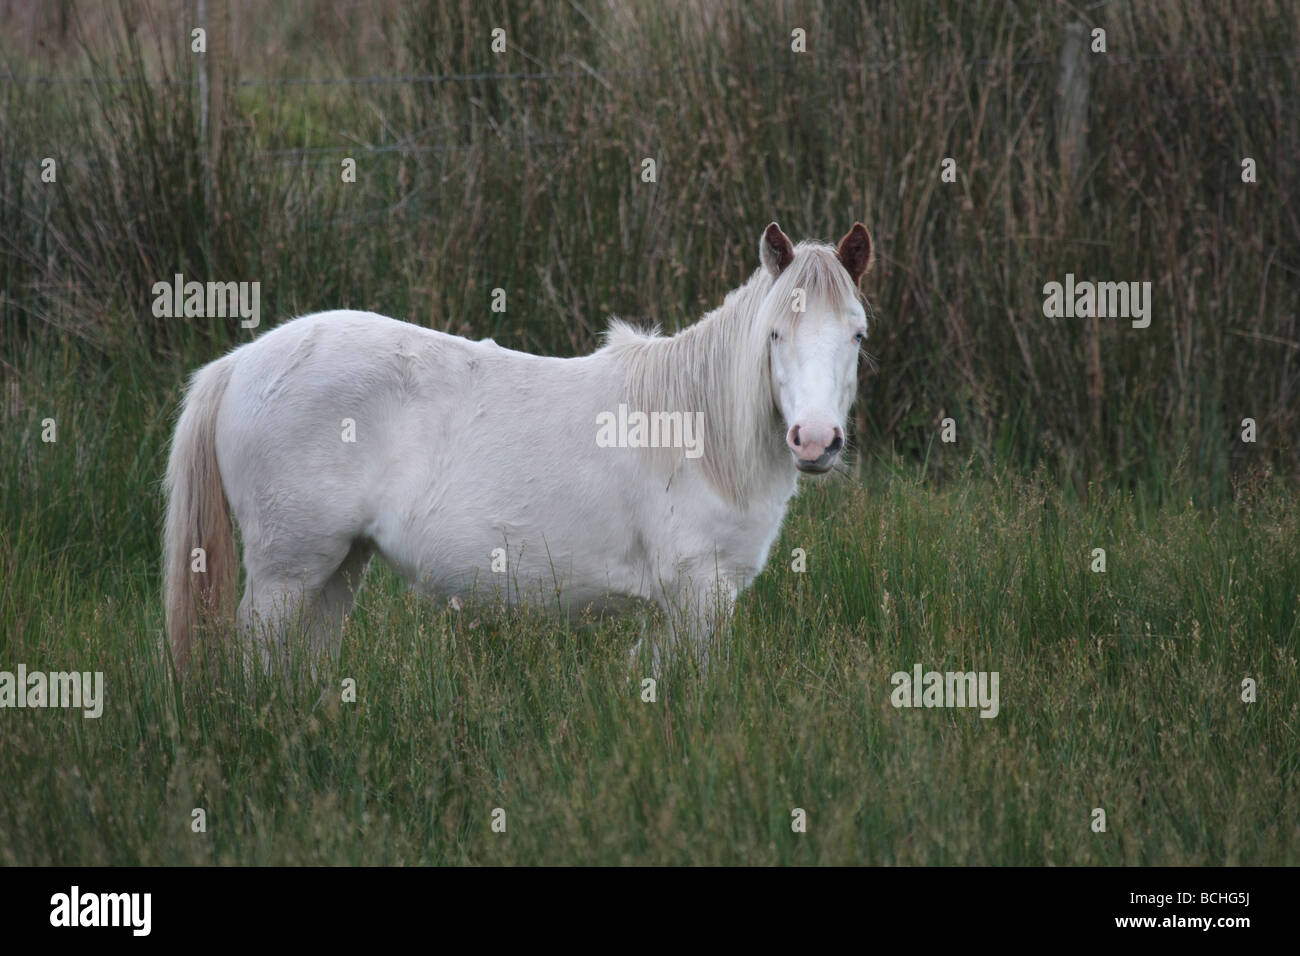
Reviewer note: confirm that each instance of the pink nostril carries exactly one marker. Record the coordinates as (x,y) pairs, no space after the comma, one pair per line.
(814,442)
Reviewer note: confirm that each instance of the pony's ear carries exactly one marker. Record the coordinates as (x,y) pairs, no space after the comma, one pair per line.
(775,250)
(855,251)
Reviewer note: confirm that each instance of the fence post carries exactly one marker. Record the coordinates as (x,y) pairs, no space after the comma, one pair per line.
(1072,154)
(201,12)
(1072,106)
(212,17)
(218,63)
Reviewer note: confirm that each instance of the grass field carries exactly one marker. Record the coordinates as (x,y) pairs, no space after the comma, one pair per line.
(1119,690)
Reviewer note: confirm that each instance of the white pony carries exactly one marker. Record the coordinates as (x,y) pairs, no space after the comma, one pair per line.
(471,468)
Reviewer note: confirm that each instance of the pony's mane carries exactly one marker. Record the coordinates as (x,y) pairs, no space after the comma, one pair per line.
(719,366)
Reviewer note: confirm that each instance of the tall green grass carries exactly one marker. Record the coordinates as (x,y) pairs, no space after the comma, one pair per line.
(1119,690)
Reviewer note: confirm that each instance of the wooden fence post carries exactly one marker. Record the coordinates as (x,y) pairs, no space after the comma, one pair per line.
(1072,154)
(201,14)
(212,16)
(1072,106)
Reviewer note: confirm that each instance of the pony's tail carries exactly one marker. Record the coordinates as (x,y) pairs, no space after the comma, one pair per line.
(198,516)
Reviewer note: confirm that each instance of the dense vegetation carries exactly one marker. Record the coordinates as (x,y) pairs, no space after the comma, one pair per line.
(522,171)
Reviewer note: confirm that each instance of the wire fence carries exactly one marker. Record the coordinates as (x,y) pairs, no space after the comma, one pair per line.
(410,144)
(415,79)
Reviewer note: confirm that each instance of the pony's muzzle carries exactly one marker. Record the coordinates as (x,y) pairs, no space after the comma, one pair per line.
(814,447)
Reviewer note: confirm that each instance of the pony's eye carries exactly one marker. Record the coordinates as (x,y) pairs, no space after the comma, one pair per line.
(776,336)
(860,337)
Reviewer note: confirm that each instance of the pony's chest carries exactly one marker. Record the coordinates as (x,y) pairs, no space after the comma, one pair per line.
(734,541)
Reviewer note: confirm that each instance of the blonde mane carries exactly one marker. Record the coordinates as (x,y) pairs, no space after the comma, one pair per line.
(719,366)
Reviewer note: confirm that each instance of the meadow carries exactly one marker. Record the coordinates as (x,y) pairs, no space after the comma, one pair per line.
(1120,690)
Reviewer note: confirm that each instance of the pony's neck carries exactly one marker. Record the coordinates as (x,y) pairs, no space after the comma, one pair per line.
(718,366)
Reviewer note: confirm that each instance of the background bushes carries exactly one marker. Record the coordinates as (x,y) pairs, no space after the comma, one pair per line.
(521,171)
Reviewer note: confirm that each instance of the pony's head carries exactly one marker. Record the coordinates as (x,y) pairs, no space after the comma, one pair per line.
(816,326)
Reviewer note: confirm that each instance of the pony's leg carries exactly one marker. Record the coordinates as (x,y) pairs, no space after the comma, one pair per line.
(313,596)
(330,608)
(646,635)
(698,610)
(269,610)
